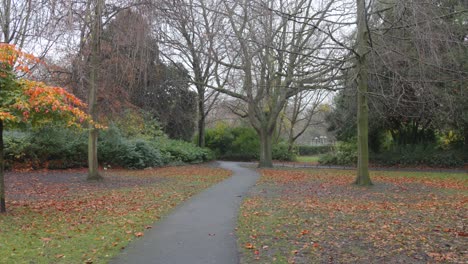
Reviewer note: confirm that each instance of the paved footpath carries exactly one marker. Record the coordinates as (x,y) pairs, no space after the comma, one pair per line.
(200,231)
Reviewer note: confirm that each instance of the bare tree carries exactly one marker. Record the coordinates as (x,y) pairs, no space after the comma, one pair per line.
(274,50)
(362,51)
(186,29)
(299,114)
(93,173)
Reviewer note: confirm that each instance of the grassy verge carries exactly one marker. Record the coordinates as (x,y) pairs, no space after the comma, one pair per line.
(308,159)
(318,216)
(58,217)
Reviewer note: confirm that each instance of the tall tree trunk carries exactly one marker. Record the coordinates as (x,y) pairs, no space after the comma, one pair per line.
(266,160)
(201,118)
(362,115)
(93,173)
(2,172)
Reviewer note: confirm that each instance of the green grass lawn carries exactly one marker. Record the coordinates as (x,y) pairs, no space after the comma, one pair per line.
(58,217)
(319,216)
(308,159)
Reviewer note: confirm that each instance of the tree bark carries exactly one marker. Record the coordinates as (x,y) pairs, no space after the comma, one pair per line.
(93,173)
(201,119)
(2,172)
(266,160)
(362,178)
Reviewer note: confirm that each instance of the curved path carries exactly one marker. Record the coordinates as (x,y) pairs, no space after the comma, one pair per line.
(201,231)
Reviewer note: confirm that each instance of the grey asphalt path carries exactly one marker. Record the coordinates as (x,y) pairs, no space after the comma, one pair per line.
(201,231)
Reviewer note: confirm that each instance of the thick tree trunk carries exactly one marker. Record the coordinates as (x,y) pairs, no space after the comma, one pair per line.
(93,173)
(266,160)
(362,115)
(2,172)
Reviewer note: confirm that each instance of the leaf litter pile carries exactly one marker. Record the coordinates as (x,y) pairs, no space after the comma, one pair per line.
(319,216)
(59,217)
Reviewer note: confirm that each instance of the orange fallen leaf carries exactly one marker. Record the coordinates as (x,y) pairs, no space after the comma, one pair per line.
(249,246)
(139,234)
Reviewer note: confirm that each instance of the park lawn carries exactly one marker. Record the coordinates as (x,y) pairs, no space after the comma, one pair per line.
(308,159)
(319,216)
(59,217)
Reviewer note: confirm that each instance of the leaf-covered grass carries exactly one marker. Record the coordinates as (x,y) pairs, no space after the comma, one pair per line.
(308,159)
(58,217)
(319,216)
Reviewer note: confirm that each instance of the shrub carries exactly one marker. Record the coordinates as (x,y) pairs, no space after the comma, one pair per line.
(419,155)
(47,147)
(313,150)
(409,155)
(181,151)
(281,152)
(115,149)
(241,143)
(54,148)
(16,146)
(345,153)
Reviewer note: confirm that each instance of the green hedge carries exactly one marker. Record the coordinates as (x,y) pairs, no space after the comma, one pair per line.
(419,155)
(313,150)
(345,153)
(58,148)
(410,155)
(241,143)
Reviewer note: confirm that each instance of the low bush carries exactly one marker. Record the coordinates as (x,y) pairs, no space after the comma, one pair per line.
(182,151)
(281,152)
(313,150)
(410,155)
(419,155)
(58,148)
(133,154)
(241,144)
(345,153)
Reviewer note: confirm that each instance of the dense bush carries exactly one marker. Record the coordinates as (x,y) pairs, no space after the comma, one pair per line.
(113,148)
(49,147)
(181,151)
(281,152)
(419,155)
(241,143)
(58,148)
(345,153)
(410,155)
(313,150)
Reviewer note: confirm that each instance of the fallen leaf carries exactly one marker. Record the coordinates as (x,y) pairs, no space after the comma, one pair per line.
(249,246)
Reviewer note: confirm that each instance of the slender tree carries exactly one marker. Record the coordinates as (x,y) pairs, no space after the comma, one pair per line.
(362,52)
(93,172)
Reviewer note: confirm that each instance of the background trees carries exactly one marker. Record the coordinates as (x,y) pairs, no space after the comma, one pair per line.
(273,51)
(413,69)
(173,59)
(186,33)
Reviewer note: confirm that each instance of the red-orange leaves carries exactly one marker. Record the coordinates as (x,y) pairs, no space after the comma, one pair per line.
(26,101)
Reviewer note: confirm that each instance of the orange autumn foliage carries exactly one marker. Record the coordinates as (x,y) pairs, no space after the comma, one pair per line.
(26,101)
